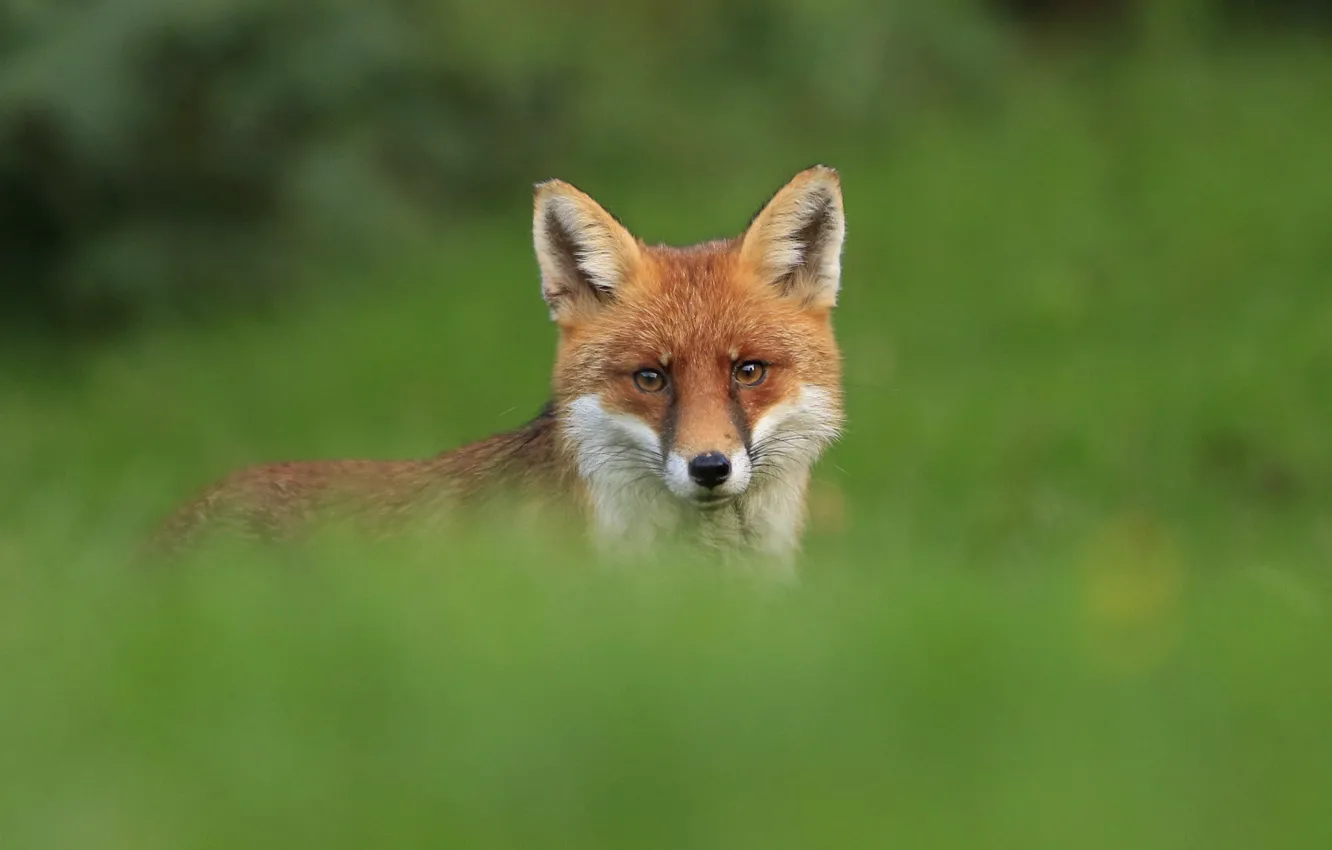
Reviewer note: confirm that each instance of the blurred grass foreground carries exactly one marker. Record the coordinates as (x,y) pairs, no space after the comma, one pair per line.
(1067,584)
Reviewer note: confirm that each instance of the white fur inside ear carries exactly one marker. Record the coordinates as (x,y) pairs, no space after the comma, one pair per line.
(795,242)
(584,253)
(593,249)
(807,238)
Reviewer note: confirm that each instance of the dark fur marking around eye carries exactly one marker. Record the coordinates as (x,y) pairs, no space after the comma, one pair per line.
(668,425)
(738,418)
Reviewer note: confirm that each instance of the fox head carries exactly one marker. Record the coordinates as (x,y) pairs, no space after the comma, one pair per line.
(704,379)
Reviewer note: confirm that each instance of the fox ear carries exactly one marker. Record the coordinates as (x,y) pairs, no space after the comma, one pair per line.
(795,242)
(585,255)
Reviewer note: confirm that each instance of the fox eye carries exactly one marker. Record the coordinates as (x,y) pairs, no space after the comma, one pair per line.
(751,373)
(650,380)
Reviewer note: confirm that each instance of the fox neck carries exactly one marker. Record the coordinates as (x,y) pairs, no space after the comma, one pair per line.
(627,505)
(630,509)
(636,515)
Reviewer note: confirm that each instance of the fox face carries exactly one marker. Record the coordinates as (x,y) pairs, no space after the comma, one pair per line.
(696,384)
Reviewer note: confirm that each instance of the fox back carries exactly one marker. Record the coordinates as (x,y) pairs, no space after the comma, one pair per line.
(693,391)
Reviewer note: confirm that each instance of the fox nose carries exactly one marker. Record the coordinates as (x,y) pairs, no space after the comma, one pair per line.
(709,469)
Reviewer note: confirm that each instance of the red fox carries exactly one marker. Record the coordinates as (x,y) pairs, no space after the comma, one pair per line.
(693,390)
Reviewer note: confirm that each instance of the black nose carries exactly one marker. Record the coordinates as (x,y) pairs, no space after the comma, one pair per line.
(710,469)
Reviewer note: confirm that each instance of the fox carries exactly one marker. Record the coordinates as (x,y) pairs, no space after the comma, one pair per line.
(693,391)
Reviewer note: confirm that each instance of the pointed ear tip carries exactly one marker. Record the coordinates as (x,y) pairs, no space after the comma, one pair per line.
(821,171)
(548,187)
(821,176)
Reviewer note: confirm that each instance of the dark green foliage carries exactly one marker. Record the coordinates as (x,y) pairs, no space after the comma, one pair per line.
(153,148)
(153,151)
(1234,13)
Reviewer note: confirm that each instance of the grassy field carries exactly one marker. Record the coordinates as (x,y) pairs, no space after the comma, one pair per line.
(1068,584)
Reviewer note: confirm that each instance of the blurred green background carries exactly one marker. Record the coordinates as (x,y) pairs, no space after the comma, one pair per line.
(1067,584)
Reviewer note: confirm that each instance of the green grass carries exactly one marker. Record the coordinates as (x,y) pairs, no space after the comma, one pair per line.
(1074,593)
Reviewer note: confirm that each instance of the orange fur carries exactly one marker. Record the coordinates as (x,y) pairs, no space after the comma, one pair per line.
(604,447)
